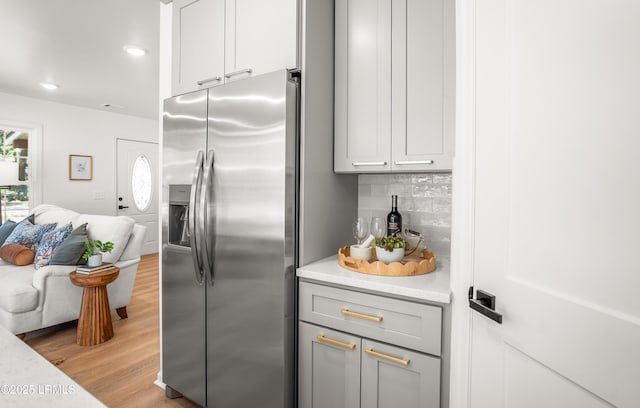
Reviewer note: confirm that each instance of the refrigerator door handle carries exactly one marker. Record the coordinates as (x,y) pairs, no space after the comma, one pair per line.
(204,214)
(193,227)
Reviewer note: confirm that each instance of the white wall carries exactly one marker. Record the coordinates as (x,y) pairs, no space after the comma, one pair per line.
(68,129)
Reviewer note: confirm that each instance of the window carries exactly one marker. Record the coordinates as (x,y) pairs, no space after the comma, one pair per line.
(14,174)
(141,183)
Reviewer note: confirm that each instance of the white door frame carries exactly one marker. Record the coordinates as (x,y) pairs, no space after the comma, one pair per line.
(35,157)
(463,207)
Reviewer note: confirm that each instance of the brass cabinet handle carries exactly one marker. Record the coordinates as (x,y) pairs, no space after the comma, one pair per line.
(327,340)
(403,361)
(348,312)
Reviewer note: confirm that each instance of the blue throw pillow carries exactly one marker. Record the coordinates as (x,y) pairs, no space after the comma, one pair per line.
(27,234)
(49,242)
(71,249)
(6,229)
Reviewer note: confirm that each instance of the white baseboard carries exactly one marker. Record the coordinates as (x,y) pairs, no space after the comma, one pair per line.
(159,382)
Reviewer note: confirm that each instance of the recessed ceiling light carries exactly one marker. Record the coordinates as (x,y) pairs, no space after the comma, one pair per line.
(112,105)
(135,50)
(49,85)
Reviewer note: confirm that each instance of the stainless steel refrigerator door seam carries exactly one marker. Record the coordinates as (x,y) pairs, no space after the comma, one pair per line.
(208,170)
(193,224)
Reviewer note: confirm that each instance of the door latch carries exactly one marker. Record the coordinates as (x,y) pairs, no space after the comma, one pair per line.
(484,303)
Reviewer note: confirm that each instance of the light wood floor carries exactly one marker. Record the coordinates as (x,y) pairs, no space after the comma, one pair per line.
(120,372)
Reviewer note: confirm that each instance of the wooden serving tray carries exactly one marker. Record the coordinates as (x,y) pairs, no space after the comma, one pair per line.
(415,264)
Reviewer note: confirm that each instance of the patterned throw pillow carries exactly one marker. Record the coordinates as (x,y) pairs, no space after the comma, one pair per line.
(27,234)
(49,242)
(7,228)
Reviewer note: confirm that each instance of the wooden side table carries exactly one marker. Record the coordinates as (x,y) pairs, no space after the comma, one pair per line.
(94,324)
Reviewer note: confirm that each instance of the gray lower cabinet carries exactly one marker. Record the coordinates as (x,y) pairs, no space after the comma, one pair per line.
(357,350)
(329,368)
(395,377)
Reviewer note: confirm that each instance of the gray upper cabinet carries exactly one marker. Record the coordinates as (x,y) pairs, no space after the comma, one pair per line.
(362,124)
(261,36)
(394,85)
(217,41)
(197,44)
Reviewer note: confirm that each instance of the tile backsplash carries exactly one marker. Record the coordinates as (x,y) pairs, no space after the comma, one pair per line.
(424,200)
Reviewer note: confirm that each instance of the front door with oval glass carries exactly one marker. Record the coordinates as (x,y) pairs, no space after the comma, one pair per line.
(138,187)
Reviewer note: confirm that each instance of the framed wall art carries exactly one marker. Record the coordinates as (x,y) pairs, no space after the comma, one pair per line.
(80,167)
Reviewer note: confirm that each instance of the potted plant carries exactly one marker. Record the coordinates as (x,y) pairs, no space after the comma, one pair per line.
(390,249)
(94,250)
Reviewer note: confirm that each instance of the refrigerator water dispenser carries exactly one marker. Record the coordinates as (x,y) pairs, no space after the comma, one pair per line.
(179,233)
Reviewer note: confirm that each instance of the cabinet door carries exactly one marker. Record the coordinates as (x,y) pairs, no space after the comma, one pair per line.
(198,44)
(362,86)
(328,368)
(393,377)
(422,124)
(261,36)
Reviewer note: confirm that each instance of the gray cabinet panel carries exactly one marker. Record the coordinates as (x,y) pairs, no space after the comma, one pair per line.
(337,369)
(198,44)
(217,41)
(329,375)
(414,325)
(422,133)
(260,35)
(362,85)
(394,85)
(387,383)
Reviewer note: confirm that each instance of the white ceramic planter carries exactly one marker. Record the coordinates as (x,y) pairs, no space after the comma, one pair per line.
(94,260)
(389,256)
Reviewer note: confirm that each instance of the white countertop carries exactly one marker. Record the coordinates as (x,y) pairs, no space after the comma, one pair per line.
(28,380)
(433,287)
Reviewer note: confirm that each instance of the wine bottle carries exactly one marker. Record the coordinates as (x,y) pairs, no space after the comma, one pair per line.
(394,219)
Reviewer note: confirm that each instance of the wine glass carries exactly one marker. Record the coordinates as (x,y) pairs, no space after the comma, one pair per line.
(378,227)
(359,229)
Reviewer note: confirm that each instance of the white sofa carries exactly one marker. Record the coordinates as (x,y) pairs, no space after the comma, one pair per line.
(32,299)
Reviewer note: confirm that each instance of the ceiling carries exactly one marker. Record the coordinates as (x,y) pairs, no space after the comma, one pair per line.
(78,44)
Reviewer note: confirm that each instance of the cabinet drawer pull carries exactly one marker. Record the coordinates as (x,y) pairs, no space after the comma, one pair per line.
(402,162)
(382,163)
(404,361)
(238,72)
(322,338)
(348,312)
(204,81)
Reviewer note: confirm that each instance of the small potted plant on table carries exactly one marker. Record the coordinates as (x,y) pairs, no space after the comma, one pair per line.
(390,249)
(94,250)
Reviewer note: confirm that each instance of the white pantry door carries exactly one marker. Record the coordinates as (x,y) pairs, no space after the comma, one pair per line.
(557,203)
(138,186)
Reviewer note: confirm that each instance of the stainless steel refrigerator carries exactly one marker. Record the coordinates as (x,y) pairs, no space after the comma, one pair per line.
(229,226)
